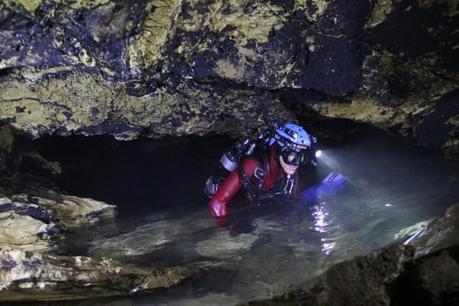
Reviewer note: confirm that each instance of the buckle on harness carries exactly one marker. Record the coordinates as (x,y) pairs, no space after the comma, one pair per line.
(259,173)
(254,183)
(289,185)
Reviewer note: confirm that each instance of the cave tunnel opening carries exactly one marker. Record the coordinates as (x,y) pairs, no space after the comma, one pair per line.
(145,175)
(149,175)
(139,175)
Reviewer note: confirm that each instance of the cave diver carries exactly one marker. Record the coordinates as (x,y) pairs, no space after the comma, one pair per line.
(266,167)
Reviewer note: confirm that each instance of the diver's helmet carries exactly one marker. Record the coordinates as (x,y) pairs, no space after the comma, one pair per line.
(294,143)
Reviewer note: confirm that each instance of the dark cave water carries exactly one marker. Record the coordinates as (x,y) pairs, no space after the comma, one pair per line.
(164,219)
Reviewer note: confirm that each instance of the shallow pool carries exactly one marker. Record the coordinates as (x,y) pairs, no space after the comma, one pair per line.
(164,219)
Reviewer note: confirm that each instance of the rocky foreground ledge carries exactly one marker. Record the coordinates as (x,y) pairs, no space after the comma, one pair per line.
(39,276)
(423,270)
(31,223)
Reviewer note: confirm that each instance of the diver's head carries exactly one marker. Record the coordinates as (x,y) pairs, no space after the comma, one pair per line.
(290,161)
(294,144)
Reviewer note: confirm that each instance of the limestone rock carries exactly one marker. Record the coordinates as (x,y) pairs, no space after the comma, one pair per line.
(33,223)
(24,232)
(168,67)
(442,233)
(429,280)
(36,276)
(68,211)
(89,105)
(8,153)
(407,97)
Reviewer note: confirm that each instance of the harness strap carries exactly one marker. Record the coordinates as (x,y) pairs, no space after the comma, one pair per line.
(254,184)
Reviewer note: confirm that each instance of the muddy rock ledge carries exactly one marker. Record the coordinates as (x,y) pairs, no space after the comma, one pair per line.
(423,270)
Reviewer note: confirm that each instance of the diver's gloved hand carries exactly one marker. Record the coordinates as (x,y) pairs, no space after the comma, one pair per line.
(218,210)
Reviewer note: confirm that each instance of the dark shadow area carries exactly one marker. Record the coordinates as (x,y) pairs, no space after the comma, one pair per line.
(141,175)
(431,280)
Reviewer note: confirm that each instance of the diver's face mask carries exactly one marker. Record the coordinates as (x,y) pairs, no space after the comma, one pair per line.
(293,157)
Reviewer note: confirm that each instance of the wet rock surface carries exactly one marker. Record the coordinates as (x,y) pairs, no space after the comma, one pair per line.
(31,270)
(38,276)
(26,191)
(158,67)
(422,271)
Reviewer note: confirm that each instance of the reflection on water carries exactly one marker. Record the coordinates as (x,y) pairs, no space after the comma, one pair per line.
(319,212)
(327,247)
(389,187)
(321,223)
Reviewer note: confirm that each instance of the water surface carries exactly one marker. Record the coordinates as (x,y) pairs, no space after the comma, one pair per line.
(164,220)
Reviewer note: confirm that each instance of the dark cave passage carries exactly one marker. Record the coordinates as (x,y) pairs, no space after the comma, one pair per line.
(140,176)
(147,176)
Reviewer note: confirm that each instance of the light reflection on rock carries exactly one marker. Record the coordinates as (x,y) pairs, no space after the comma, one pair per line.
(410,230)
(23,232)
(37,276)
(222,245)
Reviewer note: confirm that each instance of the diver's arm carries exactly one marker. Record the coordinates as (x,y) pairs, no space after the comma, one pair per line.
(229,188)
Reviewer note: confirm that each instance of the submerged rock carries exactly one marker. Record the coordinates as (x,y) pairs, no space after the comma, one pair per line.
(422,271)
(222,245)
(35,276)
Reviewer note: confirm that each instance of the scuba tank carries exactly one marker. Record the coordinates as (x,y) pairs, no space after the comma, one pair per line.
(230,159)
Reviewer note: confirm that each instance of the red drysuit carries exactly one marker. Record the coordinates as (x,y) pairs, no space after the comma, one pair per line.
(272,173)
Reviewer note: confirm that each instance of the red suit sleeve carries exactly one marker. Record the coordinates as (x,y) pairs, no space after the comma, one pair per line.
(229,188)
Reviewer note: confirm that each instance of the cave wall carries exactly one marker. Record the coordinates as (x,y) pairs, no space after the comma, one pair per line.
(169,67)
